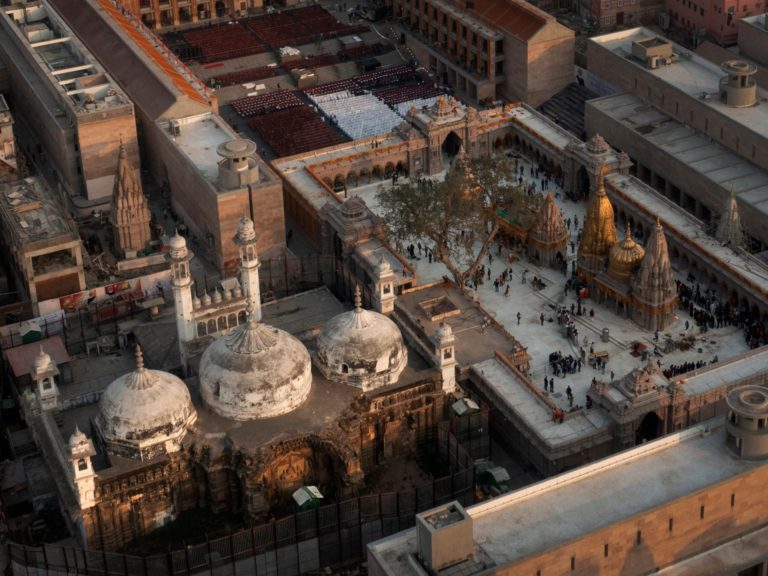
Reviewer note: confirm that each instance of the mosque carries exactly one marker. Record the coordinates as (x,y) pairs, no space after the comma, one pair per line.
(266,412)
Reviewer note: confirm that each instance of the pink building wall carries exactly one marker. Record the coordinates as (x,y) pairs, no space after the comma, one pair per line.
(719,17)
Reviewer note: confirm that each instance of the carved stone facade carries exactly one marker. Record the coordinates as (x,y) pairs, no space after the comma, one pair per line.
(130,209)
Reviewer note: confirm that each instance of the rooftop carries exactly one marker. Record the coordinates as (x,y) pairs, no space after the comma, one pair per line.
(156,81)
(198,137)
(73,72)
(689,74)
(31,216)
(555,511)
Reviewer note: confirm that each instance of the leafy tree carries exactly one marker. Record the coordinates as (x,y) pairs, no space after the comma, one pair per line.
(456,215)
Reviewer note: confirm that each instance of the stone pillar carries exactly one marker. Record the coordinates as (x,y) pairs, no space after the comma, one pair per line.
(445,356)
(181,283)
(83,476)
(44,372)
(249,265)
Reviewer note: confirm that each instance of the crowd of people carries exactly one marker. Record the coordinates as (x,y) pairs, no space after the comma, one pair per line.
(675,369)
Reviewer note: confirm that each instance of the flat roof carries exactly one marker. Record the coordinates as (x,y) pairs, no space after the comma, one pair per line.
(713,161)
(20,357)
(73,72)
(198,137)
(548,514)
(31,215)
(578,426)
(758,21)
(733,371)
(295,169)
(689,74)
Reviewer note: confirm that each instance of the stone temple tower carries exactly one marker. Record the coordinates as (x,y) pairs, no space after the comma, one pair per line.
(548,235)
(130,211)
(599,233)
(655,291)
(729,230)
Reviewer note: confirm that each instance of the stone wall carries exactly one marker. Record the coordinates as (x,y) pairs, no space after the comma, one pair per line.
(660,536)
(99,146)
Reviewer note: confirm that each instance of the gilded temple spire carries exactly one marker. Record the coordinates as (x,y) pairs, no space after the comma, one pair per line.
(599,229)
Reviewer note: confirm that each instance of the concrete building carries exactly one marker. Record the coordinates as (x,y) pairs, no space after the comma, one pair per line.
(753,38)
(490,49)
(689,504)
(694,131)
(160,13)
(181,133)
(611,13)
(68,102)
(7,140)
(43,242)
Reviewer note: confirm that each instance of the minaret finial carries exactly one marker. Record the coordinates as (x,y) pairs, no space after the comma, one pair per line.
(358,299)
(139,358)
(629,231)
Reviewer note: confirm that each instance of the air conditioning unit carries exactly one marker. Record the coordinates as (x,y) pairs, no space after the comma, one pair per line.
(174,127)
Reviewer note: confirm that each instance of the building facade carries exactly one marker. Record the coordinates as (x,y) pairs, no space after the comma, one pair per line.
(490,49)
(708,522)
(68,102)
(160,14)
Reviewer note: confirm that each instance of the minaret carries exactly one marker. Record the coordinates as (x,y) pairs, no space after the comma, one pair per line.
(729,230)
(599,230)
(249,265)
(81,449)
(44,372)
(384,284)
(181,282)
(655,292)
(130,211)
(445,355)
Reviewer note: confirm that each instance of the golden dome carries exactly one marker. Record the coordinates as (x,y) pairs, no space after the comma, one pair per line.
(625,257)
(599,229)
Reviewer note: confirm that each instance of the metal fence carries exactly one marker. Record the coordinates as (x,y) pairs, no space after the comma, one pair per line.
(306,541)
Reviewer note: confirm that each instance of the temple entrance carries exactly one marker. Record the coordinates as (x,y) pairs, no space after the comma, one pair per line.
(582,183)
(220,8)
(650,428)
(451,144)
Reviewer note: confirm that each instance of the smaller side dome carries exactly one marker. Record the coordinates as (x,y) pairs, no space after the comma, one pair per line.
(361,348)
(144,413)
(625,257)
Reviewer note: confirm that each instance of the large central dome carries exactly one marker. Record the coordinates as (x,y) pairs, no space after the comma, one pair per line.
(361,348)
(256,371)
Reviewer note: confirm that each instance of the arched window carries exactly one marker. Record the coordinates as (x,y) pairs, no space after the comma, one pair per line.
(201,331)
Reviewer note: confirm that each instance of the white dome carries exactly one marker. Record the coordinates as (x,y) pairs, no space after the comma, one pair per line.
(256,371)
(361,348)
(145,413)
(245,229)
(178,246)
(42,362)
